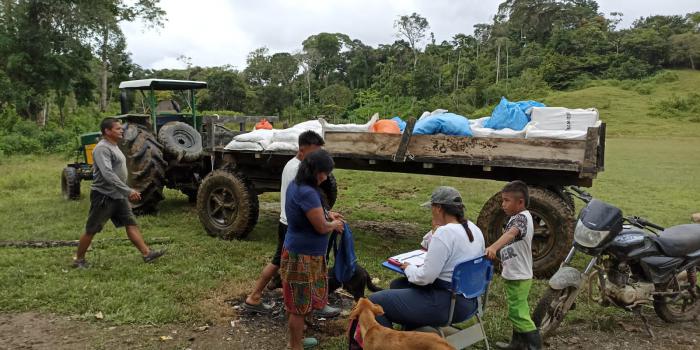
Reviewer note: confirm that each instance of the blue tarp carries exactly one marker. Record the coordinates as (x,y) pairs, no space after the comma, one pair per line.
(443,123)
(511,115)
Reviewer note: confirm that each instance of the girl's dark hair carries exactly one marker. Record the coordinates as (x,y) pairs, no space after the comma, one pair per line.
(315,162)
(457,210)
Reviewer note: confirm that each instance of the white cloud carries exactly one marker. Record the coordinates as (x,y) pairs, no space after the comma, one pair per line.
(218,32)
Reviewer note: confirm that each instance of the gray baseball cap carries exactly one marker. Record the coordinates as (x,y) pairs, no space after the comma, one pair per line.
(444,195)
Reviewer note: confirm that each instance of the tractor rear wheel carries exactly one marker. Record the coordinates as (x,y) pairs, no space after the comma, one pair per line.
(227,204)
(144,160)
(70,183)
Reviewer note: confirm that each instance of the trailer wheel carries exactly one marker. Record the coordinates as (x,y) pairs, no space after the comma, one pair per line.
(227,205)
(70,184)
(329,191)
(554,227)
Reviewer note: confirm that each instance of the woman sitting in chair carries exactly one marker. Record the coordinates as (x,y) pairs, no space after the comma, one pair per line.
(423,297)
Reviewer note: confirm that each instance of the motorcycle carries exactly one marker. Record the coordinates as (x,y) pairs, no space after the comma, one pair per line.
(633,263)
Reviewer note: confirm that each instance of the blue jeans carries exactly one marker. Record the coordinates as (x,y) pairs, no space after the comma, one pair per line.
(416,306)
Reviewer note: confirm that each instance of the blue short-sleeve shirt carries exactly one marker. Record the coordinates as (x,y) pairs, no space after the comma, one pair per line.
(301,237)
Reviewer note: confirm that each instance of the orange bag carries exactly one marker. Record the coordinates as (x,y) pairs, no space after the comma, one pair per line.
(386,126)
(263,124)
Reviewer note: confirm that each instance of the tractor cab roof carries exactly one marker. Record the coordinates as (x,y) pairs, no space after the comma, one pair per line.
(162,84)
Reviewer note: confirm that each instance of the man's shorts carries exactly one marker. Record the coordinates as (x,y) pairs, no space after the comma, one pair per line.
(281,233)
(103,208)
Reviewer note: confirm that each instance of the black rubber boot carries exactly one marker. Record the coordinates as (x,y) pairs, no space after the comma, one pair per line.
(516,343)
(532,340)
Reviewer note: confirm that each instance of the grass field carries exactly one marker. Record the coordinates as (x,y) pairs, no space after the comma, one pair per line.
(651,164)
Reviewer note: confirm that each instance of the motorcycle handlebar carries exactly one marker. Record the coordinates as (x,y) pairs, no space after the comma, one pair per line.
(642,223)
(650,224)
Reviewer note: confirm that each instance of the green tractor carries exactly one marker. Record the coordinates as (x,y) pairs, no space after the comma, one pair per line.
(162,145)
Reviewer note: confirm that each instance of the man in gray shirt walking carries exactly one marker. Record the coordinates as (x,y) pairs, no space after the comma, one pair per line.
(110,196)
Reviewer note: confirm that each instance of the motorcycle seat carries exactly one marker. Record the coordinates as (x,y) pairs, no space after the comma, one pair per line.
(679,241)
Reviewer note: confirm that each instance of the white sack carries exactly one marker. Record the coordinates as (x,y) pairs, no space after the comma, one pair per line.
(367,127)
(533,131)
(282,146)
(243,146)
(560,118)
(255,136)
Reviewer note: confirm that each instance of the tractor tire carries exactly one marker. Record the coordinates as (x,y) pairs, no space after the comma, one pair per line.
(329,192)
(554,228)
(70,184)
(181,141)
(227,205)
(144,160)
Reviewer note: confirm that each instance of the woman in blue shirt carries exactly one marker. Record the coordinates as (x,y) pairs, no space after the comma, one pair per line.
(303,266)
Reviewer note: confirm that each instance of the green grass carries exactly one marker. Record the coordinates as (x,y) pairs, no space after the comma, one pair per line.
(651,169)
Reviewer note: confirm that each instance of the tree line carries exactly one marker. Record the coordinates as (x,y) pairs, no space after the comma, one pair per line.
(59,57)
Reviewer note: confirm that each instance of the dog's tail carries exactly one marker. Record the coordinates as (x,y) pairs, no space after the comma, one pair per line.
(371,286)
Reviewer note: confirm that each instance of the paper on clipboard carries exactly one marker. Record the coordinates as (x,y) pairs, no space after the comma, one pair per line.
(415,257)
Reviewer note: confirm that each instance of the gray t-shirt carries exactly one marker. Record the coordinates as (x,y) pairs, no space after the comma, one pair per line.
(516,256)
(109,171)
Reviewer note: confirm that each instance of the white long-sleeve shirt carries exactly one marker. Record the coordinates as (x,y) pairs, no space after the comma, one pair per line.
(448,246)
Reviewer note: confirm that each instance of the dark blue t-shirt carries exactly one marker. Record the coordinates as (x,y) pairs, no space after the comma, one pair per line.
(301,237)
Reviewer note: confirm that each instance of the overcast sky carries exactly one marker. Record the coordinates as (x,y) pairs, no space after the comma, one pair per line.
(219,32)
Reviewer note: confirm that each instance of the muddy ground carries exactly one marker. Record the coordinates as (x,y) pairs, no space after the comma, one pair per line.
(32,330)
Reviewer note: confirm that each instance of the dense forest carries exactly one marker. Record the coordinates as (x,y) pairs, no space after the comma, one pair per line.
(61,63)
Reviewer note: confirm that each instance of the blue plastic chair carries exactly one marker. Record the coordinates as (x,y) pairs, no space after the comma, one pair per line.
(471,279)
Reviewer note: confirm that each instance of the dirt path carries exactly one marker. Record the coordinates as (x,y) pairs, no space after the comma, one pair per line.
(32,330)
(627,333)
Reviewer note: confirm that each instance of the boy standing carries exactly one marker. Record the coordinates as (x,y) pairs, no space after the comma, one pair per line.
(515,247)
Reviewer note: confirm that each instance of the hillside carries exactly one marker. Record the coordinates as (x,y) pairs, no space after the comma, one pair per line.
(666,104)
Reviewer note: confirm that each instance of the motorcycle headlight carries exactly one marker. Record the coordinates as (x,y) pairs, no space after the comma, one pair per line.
(587,237)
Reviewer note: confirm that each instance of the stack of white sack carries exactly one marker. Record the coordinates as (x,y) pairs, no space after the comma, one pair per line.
(478,130)
(256,140)
(288,139)
(561,123)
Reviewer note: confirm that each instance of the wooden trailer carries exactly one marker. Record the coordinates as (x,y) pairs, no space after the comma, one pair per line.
(227,198)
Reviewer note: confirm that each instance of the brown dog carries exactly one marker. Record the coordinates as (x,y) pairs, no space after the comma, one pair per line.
(376,336)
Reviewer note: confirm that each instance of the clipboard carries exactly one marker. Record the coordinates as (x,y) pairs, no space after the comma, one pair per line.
(393,267)
(415,257)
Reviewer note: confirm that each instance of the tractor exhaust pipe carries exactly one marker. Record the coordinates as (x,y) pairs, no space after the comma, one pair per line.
(124,102)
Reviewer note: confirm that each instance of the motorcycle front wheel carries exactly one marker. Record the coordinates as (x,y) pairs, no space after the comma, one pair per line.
(681,302)
(550,311)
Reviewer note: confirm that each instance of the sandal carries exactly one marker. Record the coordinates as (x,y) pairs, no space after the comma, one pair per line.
(309,343)
(261,308)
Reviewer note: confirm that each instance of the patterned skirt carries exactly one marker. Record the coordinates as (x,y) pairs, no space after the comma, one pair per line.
(304,282)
